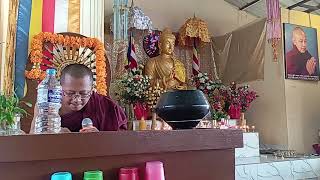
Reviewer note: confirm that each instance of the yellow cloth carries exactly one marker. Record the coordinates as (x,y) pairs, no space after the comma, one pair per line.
(35,19)
(180,72)
(74,16)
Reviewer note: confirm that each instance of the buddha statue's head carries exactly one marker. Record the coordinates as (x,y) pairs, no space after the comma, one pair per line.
(167,42)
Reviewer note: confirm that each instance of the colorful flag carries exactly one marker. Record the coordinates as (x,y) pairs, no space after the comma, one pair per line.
(131,55)
(35,16)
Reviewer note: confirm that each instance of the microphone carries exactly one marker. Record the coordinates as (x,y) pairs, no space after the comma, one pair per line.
(86,122)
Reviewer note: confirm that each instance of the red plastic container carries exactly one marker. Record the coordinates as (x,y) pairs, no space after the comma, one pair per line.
(130,173)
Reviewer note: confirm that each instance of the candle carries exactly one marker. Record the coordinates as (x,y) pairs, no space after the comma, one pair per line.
(142,124)
(253,128)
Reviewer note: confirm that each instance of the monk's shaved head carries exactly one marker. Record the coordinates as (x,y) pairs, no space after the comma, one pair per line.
(78,71)
(299,39)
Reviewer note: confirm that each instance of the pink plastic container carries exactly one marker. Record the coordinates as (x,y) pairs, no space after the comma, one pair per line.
(154,171)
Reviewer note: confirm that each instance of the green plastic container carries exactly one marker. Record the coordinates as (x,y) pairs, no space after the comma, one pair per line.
(93,175)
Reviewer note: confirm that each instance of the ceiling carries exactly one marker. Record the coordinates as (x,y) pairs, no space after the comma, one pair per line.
(258,7)
(220,15)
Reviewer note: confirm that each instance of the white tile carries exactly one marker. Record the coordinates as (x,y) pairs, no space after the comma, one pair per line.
(246,172)
(302,169)
(315,165)
(275,171)
(250,146)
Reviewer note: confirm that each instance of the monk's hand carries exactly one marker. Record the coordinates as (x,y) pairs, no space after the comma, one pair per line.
(64,130)
(89,129)
(311,65)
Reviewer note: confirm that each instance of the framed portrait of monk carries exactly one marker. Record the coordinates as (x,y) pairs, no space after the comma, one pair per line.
(301,52)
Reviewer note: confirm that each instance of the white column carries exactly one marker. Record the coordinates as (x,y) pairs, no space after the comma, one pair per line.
(4,14)
(92,18)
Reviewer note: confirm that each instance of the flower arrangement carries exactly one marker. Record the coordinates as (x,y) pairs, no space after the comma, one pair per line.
(132,86)
(131,91)
(238,99)
(212,90)
(224,100)
(37,56)
(205,84)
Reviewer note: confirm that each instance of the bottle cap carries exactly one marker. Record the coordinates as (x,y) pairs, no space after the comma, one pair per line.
(129,170)
(51,71)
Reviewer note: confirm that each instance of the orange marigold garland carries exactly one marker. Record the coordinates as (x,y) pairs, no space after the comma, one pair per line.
(36,55)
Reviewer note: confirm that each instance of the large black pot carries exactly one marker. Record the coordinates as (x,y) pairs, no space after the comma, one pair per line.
(182,109)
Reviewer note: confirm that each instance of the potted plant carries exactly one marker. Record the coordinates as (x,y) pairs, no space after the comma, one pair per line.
(10,114)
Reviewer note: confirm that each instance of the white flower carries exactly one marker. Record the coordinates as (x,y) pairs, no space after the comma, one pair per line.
(202,80)
(209,87)
(128,89)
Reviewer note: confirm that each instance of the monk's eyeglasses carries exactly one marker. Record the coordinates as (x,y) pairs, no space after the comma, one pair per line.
(73,95)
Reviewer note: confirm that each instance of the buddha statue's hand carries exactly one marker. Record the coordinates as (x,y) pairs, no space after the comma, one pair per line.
(164,82)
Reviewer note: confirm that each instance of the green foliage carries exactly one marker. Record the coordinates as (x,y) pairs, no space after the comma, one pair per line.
(9,107)
(218,115)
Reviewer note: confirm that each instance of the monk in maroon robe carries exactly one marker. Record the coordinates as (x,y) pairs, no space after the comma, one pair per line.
(79,102)
(104,113)
(298,60)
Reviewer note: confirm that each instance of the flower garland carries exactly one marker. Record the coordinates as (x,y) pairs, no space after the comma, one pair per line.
(36,55)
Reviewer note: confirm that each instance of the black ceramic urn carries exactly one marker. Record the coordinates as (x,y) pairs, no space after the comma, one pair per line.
(182,109)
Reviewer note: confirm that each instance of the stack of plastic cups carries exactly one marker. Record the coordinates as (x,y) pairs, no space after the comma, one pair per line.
(154,171)
(93,175)
(61,176)
(128,174)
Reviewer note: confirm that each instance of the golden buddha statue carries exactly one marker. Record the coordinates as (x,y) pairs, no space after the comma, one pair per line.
(166,70)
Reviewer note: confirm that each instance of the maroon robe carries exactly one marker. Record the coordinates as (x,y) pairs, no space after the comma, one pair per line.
(296,62)
(105,114)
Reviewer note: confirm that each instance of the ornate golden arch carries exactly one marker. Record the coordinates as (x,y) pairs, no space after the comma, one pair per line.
(50,50)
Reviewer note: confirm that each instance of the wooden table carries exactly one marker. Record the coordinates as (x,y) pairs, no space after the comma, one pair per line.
(204,154)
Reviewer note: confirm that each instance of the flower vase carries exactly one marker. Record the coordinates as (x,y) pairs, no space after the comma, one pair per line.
(234,111)
(214,124)
(14,129)
(129,109)
(130,112)
(141,111)
(243,121)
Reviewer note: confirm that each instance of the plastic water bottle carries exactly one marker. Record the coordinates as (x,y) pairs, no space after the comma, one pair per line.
(49,102)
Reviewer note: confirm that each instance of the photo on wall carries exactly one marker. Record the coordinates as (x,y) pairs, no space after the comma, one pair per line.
(301,52)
